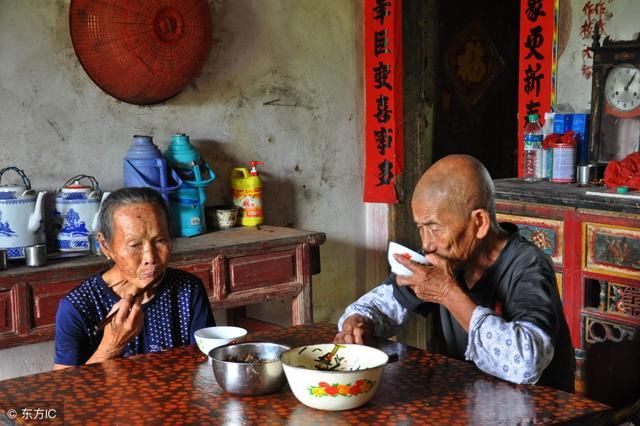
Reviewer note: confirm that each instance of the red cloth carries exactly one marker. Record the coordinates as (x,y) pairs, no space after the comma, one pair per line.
(553,139)
(625,172)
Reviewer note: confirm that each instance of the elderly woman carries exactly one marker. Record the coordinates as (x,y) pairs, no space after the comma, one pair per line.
(155,307)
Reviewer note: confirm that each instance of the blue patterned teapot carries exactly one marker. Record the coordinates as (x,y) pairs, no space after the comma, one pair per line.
(76,212)
(21,214)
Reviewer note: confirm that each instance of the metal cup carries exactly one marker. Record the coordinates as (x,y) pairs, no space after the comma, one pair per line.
(583,174)
(3,259)
(35,255)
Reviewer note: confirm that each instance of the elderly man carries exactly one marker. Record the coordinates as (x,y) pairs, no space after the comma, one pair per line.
(498,302)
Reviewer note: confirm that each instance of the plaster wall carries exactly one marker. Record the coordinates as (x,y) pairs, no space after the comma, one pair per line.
(620,19)
(56,123)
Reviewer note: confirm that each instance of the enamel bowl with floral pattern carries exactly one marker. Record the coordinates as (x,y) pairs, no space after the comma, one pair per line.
(334,376)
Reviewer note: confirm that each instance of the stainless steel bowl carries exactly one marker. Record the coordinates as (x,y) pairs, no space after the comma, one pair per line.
(248,378)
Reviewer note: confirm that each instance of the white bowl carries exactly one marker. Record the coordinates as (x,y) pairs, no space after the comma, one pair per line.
(211,337)
(396,267)
(347,379)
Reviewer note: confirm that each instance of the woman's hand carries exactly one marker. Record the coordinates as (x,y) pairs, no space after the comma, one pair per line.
(355,329)
(124,326)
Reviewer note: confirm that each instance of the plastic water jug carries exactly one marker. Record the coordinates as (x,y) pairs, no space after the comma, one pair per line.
(246,190)
(144,166)
(186,206)
(76,212)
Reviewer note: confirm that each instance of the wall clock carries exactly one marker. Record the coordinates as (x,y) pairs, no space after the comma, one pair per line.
(615,100)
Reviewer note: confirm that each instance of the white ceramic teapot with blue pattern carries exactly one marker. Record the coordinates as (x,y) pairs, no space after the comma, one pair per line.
(76,213)
(21,216)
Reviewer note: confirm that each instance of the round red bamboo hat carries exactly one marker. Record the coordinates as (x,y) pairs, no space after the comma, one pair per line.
(141,51)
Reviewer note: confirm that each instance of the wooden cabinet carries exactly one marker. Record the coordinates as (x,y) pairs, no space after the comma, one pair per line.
(595,246)
(44,298)
(238,267)
(202,270)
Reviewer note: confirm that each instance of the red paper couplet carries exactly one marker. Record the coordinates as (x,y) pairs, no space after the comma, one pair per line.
(384,150)
(537,63)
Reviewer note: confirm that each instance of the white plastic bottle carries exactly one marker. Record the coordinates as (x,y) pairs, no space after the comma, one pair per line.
(532,163)
(547,153)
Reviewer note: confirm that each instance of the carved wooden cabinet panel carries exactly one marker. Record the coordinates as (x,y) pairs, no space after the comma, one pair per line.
(547,234)
(612,250)
(610,276)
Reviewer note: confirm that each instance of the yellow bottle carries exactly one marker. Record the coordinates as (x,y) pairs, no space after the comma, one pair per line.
(246,190)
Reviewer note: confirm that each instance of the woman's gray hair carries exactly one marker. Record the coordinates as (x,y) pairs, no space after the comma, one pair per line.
(127,196)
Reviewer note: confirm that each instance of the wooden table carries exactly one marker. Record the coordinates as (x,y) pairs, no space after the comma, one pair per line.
(178,387)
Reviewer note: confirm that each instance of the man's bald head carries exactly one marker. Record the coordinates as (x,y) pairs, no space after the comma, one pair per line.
(460,182)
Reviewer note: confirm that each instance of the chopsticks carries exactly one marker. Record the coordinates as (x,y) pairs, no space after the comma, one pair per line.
(114,310)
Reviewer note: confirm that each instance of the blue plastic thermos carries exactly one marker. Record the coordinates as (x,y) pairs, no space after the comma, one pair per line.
(144,166)
(186,205)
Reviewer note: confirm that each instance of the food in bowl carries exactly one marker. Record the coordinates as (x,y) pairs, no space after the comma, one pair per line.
(252,368)
(249,357)
(334,376)
(209,338)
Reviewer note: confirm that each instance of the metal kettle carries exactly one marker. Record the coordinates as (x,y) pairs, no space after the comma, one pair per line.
(21,215)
